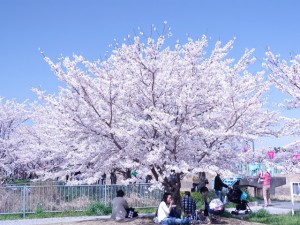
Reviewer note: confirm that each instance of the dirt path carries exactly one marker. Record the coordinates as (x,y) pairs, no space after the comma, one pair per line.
(230,221)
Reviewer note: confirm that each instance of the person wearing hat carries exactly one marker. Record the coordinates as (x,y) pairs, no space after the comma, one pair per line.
(266,186)
(119,206)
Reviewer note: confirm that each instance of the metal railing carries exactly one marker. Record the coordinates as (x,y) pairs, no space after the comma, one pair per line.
(252,169)
(60,198)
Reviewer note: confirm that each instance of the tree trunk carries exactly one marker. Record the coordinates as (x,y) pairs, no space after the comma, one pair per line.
(174,189)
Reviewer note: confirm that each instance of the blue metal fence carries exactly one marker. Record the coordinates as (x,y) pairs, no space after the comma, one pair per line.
(252,169)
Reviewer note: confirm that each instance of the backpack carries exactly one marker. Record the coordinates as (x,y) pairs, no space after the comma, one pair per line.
(131,213)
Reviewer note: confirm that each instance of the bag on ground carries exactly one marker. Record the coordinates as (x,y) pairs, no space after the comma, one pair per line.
(131,213)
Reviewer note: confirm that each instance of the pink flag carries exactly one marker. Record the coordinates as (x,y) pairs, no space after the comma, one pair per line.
(271,154)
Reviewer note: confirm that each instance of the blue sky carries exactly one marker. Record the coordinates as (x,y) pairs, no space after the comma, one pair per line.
(88,27)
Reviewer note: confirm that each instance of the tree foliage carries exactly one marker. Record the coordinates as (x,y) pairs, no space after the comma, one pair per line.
(13,135)
(286,78)
(154,108)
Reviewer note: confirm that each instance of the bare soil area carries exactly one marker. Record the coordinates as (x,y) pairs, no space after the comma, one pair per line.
(147,221)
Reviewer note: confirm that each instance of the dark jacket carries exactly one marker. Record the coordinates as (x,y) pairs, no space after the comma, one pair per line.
(219,184)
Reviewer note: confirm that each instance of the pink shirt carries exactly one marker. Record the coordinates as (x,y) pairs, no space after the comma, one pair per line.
(267,179)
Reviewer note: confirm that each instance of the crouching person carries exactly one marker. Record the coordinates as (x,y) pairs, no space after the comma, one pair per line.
(211,208)
(216,208)
(164,210)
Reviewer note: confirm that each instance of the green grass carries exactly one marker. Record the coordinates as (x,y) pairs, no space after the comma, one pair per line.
(230,205)
(94,209)
(262,216)
(146,210)
(98,209)
(227,215)
(41,215)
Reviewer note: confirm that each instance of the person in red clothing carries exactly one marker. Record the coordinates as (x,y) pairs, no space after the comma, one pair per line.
(266,186)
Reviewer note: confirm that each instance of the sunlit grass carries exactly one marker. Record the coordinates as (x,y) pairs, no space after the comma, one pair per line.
(262,216)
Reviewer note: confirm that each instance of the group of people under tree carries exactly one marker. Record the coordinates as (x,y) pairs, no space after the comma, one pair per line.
(186,211)
(170,213)
(211,204)
(167,212)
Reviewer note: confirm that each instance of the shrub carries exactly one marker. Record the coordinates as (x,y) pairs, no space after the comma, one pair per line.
(40,212)
(98,209)
(197,197)
(39,209)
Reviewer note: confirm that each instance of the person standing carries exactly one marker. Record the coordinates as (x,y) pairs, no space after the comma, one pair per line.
(172,178)
(266,186)
(196,181)
(188,204)
(103,179)
(203,180)
(113,178)
(218,185)
(205,203)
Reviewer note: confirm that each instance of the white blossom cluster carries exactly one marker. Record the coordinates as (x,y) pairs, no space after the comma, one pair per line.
(14,135)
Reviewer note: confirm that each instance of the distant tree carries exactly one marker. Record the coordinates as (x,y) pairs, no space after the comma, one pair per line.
(158,108)
(13,135)
(286,78)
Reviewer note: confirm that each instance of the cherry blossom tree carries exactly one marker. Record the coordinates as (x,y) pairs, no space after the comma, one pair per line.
(285,160)
(13,135)
(286,78)
(156,108)
(58,149)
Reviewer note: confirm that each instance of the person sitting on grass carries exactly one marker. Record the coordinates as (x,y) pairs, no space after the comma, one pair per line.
(188,204)
(119,206)
(164,209)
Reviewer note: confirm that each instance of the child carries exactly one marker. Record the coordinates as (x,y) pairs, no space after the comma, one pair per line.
(205,203)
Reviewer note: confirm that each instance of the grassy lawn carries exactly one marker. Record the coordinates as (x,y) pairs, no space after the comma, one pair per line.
(262,216)
(42,215)
(97,209)
(93,210)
